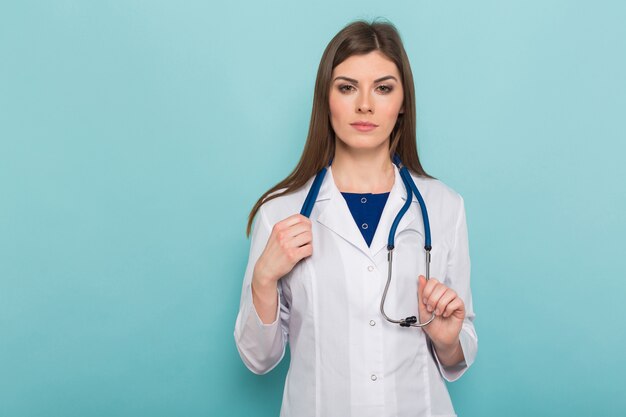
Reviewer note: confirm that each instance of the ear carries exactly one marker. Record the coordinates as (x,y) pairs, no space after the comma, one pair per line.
(401,110)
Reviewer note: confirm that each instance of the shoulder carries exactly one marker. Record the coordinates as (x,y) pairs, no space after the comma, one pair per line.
(436,189)
(439,196)
(284,205)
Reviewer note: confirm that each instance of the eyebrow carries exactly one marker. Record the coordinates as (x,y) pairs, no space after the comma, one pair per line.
(352,80)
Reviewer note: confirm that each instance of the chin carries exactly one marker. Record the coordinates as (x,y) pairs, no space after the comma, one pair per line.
(363,142)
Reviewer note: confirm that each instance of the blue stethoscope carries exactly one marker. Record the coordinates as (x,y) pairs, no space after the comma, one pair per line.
(411,188)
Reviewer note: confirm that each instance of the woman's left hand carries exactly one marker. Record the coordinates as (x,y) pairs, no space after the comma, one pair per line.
(449,312)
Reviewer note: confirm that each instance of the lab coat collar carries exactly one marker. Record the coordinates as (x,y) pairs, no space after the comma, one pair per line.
(335,214)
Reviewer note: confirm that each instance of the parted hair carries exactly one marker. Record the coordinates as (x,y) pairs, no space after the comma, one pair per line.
(357,38)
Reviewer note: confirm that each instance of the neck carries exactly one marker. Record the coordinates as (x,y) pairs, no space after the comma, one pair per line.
(363,171)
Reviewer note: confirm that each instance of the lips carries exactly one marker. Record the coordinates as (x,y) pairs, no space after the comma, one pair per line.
(363,126)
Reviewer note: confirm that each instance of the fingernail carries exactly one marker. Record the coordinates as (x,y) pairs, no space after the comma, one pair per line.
(437,312)
(429,308)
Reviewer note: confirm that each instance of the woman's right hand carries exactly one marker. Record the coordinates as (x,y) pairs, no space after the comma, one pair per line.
(289,242)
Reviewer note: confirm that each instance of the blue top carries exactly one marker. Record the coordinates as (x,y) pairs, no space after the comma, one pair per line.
(366,210)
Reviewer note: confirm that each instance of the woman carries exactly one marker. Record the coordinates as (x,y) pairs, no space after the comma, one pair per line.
(317,282)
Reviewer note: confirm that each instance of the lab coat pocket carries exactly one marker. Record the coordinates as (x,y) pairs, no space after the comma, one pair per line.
(299,274)
(414,232)
(411,241)
(409,249)
(439,263)
(297,290)
(297,283)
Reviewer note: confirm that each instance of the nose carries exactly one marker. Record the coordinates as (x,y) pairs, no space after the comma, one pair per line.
(364,103)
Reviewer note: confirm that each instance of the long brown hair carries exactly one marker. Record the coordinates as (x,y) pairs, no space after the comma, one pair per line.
(357,38)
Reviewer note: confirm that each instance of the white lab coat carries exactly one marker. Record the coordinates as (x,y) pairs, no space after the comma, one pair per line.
(346,359)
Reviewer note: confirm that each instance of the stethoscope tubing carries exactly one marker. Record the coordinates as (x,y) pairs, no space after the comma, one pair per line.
(411,188)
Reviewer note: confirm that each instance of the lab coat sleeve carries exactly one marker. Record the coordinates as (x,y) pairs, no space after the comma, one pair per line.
(261,346)
(458,278)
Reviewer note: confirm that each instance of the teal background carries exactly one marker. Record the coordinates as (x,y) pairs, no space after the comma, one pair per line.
(135,136)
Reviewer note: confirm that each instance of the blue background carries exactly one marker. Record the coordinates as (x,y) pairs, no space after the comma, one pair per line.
(135,136)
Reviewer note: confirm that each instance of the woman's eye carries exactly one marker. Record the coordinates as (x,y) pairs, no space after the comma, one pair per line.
(385,88)
(344,88)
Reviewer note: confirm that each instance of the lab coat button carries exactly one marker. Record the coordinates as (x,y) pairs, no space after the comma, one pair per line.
(370,268)
(372,323)
(363,200)
(374,378)
(364,226)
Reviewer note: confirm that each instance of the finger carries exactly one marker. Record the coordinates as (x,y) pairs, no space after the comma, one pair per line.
(301,239)
(454,307)
(421,282)
(294,230)
(299,227)
(285,236)
(428,289)
(304,251)
(423,312)
(291,220)
(435,295)
(443,302)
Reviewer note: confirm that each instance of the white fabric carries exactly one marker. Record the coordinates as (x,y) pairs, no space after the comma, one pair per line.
(341,364)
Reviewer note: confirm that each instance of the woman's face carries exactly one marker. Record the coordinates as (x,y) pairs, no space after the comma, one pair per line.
(366,97)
